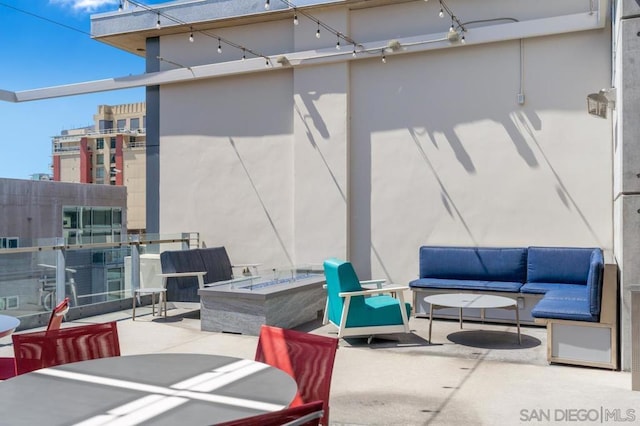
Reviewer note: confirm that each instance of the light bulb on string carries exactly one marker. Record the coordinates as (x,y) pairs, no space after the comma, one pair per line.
(158,22)
(267,63)
(191,36)
(441,14)
(295,19)
(244,54)
(219,46)
(354,51)
(120,6)
(463,40)
(384,59)
(338,43)
(267,5)
(318,32)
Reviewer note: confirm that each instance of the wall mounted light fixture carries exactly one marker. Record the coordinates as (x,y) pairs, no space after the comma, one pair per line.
(599,103)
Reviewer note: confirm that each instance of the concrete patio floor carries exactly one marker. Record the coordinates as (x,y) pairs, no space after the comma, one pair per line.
(475,376)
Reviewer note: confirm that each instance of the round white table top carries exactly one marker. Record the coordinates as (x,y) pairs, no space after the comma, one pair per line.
(470,300)
(8,324)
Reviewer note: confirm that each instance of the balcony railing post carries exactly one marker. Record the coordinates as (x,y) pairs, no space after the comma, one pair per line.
(185,241)
(135,263)
(61,270)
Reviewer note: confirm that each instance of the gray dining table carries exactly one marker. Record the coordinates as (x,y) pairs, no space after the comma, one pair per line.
(152,389)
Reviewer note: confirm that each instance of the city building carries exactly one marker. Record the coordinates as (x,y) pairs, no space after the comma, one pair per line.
(111,152)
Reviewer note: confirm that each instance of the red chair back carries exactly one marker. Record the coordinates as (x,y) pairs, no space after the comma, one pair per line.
(7,368)
(58,314)
(43,349)
(303,415)
(308,358)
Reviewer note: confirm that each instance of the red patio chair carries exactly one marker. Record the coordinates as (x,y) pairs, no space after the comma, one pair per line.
(7,368)
(308,358)
(57,315)
(42,349)
(303,415)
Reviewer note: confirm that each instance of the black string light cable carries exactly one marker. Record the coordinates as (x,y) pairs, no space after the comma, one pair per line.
(192,30)
(322,25)
(454,21)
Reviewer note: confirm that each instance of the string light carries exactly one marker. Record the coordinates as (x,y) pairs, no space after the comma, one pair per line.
(354,51)
(244,53)
(191,36)
(120,6)
(457,29)
(267,63)
(318,32)
(338,43)
(295,18)
(158,22)
(267,5)
(384,58)
(219,46)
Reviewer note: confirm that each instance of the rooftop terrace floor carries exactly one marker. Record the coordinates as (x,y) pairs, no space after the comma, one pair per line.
(477,376)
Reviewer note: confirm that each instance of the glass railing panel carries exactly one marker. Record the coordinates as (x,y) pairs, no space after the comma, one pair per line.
(96,271)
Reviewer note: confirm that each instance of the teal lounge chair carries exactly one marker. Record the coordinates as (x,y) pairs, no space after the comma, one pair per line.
(362,312)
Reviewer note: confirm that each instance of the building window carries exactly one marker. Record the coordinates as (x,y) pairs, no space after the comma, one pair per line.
(144,121)
(99,173)
(92,224)
(112,143)
(100,143)
(112,159)
(132,139)
(105,124)
(9,242)
(100,159)
(122,124)
(135,123)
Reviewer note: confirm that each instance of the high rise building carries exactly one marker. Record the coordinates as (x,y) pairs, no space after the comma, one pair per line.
(111,152)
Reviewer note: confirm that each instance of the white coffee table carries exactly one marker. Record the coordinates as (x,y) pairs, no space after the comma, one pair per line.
(471,301)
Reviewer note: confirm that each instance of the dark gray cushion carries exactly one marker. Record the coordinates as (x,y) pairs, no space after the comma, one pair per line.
(217,264)
(183,289)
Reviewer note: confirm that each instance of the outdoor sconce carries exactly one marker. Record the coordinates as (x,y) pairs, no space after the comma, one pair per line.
(598,103)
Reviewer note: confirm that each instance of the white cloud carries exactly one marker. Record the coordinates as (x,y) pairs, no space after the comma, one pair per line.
(86,5)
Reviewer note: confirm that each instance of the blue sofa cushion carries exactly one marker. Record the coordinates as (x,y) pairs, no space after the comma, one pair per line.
(473,263)
(570,265)
(577,310)
(577,294)
(466,284)
(558,265)
(542,288)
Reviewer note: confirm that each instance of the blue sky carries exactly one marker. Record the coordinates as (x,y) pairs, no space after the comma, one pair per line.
(37,53)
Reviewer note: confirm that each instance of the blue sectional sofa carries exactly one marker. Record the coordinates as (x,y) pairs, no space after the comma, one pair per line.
(558,287)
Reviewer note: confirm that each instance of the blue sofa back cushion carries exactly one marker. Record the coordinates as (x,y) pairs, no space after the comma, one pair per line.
(466,284)
(558,265)
(474,263)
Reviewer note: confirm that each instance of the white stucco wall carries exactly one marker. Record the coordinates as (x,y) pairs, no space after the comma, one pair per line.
(368,161)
